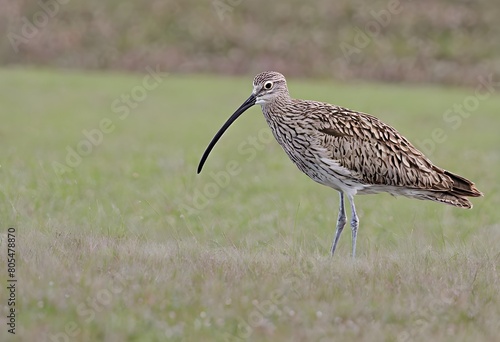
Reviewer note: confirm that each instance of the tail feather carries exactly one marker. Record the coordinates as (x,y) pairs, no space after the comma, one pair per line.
(462,186)
(449,198)
(456,196)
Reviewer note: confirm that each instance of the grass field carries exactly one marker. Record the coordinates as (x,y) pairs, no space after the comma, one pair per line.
(118,238)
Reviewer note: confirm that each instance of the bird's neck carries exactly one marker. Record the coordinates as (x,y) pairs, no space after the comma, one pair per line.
(278,111)
(277,104)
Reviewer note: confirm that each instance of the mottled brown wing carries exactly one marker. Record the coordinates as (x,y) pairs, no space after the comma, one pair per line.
(376,152)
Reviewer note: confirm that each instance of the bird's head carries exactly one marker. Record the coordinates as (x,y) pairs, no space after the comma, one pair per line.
(267,87)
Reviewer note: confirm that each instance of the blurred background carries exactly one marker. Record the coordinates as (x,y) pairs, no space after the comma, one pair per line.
(449,42)
(107,107)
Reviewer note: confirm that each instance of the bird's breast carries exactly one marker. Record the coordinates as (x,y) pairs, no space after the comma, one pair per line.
(304,150)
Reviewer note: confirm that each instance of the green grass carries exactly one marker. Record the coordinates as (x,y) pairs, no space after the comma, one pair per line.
(115,249)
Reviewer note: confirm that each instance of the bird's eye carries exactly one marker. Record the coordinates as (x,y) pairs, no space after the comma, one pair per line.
(268,85)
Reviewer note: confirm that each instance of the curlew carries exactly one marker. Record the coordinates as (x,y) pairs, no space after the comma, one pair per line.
(349,151)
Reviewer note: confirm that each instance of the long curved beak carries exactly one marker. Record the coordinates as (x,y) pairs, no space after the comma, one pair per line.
(247,104)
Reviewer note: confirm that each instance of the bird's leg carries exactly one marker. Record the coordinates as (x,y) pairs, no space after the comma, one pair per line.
(354,224)
(340,222)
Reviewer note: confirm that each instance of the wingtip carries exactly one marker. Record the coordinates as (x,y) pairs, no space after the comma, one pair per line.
(480,194)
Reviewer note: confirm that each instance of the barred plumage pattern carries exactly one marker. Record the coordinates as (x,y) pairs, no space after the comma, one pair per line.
(349,151)
(333,145)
